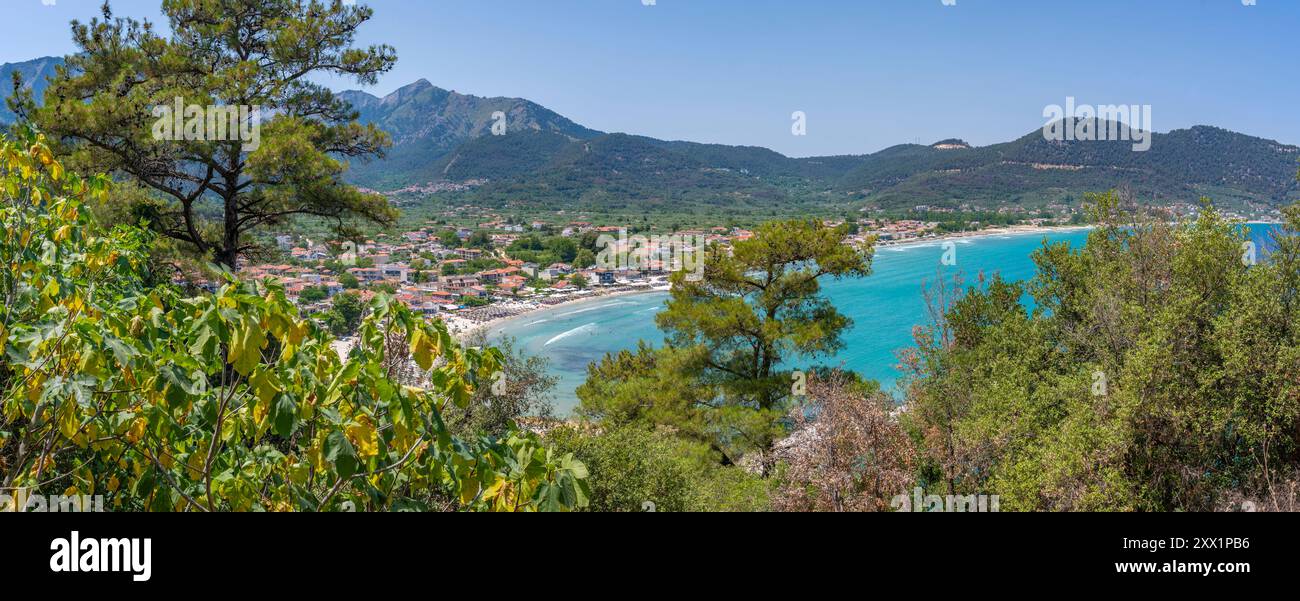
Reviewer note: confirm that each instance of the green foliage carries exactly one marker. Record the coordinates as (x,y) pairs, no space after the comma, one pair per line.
(262,53)
(544,251)
(652,387)
(716,385)
(226,401)
(754,309)
(471,266)
(313,294)
(524,394)
(1157,372)
(584,259)
(638,469)
(479,239)
(345,314)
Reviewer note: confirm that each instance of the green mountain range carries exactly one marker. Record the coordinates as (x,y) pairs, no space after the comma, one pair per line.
(427,123)
(545,160)
(1182,165)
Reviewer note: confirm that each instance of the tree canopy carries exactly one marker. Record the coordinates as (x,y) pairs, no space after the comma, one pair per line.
(723,377)
(114,102)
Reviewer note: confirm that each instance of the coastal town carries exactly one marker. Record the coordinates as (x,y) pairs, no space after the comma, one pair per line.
(477,274)
(472,276)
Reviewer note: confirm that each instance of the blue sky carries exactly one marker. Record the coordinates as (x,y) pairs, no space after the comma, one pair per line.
(868,73)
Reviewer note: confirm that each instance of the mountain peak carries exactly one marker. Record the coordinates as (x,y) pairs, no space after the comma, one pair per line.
(405,93)
(417,85)
(427,122)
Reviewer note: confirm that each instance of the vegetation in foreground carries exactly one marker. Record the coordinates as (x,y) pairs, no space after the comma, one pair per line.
(227,401)
(1158,370)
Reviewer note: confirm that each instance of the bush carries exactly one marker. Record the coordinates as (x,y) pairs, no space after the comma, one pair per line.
(634,468)
(1157,371)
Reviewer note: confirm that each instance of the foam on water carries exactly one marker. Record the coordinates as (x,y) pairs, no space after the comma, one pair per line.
(569,333)
(596,308)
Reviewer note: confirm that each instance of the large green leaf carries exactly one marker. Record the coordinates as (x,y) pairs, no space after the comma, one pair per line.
(284,414)
(340,452)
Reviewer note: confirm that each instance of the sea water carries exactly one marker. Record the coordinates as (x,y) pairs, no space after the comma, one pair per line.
(884,307)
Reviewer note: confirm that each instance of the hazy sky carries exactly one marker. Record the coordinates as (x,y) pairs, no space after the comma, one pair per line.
(868,73)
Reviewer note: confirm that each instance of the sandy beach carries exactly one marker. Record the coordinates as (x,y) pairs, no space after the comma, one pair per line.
(1012,230)
(465,323)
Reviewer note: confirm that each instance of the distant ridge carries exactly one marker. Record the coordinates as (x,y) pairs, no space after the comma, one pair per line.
(550,160)
(35,74)
(545,159)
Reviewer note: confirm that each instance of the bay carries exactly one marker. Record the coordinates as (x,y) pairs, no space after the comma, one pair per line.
(884,307)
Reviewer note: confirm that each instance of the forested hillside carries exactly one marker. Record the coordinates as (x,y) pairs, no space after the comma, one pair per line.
(34,74)
(427,122)
(547,160)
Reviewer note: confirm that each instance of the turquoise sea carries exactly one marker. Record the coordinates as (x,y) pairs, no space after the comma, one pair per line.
(884,308)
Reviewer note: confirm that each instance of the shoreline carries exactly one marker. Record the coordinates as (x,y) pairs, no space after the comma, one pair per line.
(462,327)
(1012,230)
